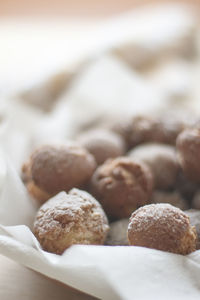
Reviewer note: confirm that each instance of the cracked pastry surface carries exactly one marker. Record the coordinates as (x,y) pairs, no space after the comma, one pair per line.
(162,227)
(121,185)
(67,219)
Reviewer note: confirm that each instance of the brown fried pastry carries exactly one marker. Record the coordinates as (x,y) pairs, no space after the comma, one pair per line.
(162,227)
(196,200)
(102,144)
(194,215)
(188,149)
(162,161)
(68,219)
(172,197)
(141,129)
(186,187)
(55,168)
(121,185)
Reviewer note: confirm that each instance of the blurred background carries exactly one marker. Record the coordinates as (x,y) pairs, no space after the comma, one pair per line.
(67,8)
(86,56)
(45,43)
(38,38)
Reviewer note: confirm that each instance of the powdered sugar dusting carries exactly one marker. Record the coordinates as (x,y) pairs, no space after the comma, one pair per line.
(163,227)
(74,218)
(162,214)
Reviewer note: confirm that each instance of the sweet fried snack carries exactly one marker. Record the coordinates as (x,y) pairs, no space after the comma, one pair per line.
(141,129)
(188,147)
(186,187)
(67,219)
(102,144)
(162,227)
(194,215)
(172,197)
(55,168)
(162,161)
(121,185)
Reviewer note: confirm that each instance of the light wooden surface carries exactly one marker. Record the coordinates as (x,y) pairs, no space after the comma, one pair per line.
(20,283)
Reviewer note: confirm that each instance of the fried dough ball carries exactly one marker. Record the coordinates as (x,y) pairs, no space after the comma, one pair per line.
(173,198)
(186,187)
(194,215)
(55,168)
(162,161)
(188,148)
(67,219)
(147,129)
(121,185)
(37,193)
(196,200)
(162,227)
(102,144)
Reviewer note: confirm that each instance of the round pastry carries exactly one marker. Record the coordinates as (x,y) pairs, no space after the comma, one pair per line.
(55,168)
(173,198)
(162,227)
(102,144)
(144,129)
(186,187)
(26,172)
(194,215)
(38,194)
(121,185)
(188,147)
(162,161)
(196,200)
(117,235)
(67,219)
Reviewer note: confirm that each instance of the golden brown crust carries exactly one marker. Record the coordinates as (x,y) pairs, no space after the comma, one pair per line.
(56,168)
(121,185)
(26,172)
(67,219)
(162,227)
(188,146)
(162,161)
(37,193)
(102,144)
